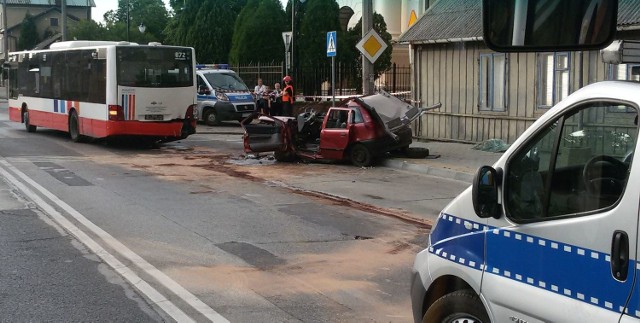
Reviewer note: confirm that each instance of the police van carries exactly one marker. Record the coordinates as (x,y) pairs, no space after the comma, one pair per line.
(222,95)
(550,232)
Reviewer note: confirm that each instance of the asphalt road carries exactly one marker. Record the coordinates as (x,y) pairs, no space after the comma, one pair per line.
(195,231)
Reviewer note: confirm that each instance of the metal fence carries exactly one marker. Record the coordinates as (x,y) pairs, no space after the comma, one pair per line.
(314,82)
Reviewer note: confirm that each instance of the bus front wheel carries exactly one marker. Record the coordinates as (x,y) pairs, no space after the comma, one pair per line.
(27,123)
(74,127)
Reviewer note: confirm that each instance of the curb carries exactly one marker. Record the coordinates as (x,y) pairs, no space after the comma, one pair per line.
(428,170)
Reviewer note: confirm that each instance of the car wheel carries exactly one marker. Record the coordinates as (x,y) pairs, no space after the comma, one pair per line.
(211,118)
(74,127)
(459,306)
(27,123)
(361,156)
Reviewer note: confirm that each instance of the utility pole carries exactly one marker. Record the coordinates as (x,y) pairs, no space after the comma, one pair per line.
(63,25)
(5,43)
(367,66)
(293,31)
(5,37)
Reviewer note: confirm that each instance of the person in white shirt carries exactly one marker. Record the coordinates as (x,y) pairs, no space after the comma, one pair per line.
(259,91)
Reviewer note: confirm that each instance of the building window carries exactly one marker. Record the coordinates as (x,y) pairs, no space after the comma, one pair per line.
(623,72)
(492,82)
(553,78)
(53,22)
(626,72)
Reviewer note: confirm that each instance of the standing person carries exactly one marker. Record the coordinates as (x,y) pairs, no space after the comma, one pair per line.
(287,96)
(259,91)
(276,100)
(260,88)
(266,100)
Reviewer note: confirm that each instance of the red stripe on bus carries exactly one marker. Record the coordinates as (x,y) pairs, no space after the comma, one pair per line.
(132,107)
(100,128)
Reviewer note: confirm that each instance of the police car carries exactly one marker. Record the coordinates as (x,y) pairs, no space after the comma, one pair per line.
(222,95)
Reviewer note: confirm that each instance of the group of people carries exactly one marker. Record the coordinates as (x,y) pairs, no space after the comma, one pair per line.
(276,102)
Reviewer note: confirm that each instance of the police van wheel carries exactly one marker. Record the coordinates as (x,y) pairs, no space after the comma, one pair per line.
(459,306)
(74,127)
(27,124)
(211,118)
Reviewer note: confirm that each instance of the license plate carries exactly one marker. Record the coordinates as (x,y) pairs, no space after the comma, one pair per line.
(153,117)
(244,115)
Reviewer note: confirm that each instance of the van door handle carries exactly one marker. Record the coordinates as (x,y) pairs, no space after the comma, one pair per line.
(620,255)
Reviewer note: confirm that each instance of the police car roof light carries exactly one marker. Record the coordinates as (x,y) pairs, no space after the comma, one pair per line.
(212,66)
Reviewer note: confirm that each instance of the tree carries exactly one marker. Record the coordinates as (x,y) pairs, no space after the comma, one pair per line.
(206,25)
(320,17)
(28,33)
(89,30)
(152,13)
(257,36)
(383,62)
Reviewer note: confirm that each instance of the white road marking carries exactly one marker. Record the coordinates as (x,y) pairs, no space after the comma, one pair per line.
(144,287)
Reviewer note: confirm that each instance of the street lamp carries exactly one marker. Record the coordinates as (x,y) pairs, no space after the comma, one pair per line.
(141,28)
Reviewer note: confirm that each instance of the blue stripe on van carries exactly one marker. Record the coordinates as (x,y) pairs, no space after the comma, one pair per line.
(462,241)
(245,97)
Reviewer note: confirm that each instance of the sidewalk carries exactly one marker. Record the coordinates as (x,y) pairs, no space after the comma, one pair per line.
(446,159)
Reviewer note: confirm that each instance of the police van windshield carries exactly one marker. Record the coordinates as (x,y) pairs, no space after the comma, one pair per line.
(226,81)
(156,67)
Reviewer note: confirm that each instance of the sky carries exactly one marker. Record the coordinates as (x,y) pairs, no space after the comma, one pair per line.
(102,6)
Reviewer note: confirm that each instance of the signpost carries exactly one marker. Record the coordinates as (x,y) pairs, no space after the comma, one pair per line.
(371,46)
(331,52)
(286,37)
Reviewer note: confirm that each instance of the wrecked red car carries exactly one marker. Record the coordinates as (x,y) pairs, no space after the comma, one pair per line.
(361,130)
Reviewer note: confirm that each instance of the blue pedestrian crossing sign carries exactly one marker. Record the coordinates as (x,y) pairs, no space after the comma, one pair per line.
(331,44)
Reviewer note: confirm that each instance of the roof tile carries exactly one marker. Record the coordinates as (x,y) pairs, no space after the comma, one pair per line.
(456,19)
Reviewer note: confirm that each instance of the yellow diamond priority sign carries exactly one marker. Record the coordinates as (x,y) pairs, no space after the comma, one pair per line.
(371,46)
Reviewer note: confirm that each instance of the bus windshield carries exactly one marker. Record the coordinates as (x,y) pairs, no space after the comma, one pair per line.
(226,81)
(156,67)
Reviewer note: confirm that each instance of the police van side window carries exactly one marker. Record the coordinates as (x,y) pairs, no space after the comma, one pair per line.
(578,164)
(201,85)
(526,175)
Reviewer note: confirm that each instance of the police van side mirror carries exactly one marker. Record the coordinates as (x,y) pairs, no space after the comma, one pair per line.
(484,192)
(548,25)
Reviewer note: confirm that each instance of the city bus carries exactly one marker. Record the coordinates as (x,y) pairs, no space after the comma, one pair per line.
(99,89)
